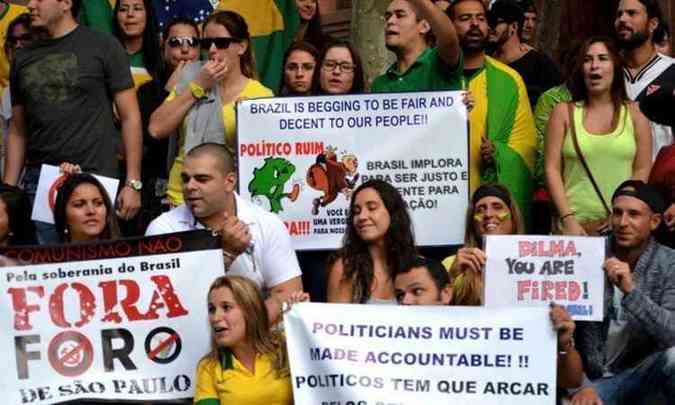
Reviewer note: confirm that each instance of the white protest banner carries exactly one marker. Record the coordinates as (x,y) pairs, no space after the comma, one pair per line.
(130,323)
(302,157)
(410,355)
(50,181)
(526,270)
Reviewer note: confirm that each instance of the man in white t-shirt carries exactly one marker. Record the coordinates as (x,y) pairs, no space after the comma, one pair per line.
(256,243)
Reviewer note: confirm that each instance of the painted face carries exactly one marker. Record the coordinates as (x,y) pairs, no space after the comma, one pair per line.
(529,26)
(416,287)
(402,28)
(298,72)
(306,9)
(86,213)
(131,18)
(181,45)
(231,53)
(45,13)
(632,222)
(471,26)
(491,216)
(4,223)
(337,71)
(371,218)
(228,325)
(205,186)
(631,24)
(598,69)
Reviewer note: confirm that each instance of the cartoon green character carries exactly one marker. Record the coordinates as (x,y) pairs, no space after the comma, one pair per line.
(270,179)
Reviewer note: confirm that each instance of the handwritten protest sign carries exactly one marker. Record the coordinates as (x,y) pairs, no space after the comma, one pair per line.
(377,354)
(50,181)
(303,157)
(536,270)
(128,325)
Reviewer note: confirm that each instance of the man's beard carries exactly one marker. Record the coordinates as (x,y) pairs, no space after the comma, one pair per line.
(634,41)
(473,44)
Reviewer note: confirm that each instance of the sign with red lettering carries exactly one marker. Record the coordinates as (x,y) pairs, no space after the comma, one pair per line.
(536,270)
(127,323)
(303,157)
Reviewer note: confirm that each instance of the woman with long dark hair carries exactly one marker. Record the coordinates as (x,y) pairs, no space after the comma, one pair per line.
(16,227)
(595,142)
(340,70)
(300,62)
(378,243)
(136,28)
(310,23)
(83,211)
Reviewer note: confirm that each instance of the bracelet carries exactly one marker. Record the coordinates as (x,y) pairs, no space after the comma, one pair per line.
(228,255)
(568,347)
(569,214)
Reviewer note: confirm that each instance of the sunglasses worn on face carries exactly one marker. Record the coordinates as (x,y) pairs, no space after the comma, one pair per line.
(219,42)
(175,42)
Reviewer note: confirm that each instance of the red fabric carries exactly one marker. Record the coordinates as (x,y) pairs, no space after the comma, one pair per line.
(663,173)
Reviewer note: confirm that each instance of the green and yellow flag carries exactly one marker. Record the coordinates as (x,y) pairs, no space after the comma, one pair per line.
(502,114)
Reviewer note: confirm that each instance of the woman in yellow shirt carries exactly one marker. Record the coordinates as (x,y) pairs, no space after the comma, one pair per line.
(202,106)
(492,211)
(248,363)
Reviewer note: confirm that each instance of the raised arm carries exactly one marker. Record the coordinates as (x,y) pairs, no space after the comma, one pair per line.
(447,41)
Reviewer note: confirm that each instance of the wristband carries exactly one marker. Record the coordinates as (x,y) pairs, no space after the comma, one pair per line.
(569,214)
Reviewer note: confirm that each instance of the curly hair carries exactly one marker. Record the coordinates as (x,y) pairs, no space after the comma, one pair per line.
(399,242)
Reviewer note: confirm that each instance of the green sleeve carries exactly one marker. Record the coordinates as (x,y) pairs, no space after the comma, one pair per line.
(97,15)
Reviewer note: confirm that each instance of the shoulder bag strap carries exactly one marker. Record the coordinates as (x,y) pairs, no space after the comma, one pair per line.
(575,142)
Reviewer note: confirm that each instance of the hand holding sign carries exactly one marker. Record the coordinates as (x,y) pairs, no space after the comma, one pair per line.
(471,259)
(563,325)
(619,274)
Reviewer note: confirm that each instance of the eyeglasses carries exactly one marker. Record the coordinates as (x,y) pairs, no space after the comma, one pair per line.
(294,67)
(176,42)
(219,42)
(23,38)
(330,65)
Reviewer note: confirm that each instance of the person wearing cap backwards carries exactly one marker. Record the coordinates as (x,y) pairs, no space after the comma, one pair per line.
(629,357)
(539,72)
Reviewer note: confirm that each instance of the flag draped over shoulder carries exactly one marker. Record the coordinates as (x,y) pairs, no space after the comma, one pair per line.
(502,113)
(272,24)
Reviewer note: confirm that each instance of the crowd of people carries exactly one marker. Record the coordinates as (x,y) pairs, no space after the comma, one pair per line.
(581,148)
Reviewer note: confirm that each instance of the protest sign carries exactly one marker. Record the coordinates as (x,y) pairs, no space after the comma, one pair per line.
(50,181)
(302,157)
(536,270)
(409,355)
(129,323)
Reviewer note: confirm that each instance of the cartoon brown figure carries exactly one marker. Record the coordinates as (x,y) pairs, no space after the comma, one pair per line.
(332,177)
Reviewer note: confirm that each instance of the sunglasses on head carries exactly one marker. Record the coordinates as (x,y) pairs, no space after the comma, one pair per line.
(175,42)
(219,42)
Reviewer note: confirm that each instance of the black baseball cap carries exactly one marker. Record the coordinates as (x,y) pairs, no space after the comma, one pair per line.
(642,191)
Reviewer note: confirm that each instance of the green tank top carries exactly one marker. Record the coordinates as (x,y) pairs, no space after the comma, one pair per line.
(610,158)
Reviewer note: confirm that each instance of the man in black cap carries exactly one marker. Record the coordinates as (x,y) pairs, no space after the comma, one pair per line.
(539,72)
(629,358)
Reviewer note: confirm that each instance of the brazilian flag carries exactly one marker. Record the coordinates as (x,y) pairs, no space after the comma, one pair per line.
(272,24)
